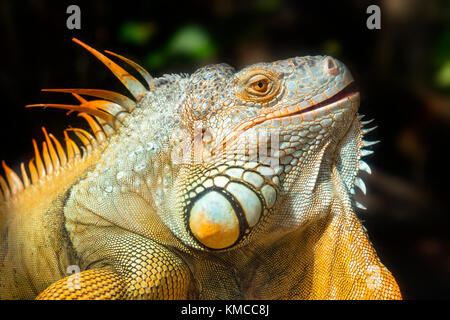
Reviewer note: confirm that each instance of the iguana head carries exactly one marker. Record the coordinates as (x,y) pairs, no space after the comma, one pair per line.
(262,142)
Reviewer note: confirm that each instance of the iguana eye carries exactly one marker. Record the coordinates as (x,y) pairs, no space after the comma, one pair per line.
(258,85)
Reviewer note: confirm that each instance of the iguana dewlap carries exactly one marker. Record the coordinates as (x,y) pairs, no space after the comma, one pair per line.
(219,185)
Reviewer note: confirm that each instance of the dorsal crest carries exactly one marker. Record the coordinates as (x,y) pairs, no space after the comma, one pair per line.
(104,117)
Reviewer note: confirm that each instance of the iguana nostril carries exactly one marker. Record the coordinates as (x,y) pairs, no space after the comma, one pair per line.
(331,66)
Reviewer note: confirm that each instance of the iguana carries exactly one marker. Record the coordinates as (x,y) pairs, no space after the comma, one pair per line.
(221,184)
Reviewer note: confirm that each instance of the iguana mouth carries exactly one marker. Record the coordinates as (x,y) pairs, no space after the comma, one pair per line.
(336,101)
(349,91)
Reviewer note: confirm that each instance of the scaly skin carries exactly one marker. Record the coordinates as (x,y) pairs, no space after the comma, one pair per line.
(217,185)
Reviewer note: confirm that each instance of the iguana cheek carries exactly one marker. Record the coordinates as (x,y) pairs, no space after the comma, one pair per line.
(213,221)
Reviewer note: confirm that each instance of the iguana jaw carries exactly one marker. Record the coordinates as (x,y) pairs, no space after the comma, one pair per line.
(334,101)
(344,98)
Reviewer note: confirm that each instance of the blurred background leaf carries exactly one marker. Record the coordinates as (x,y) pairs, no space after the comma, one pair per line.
(138,33)
(441,60)
(189,43)
(192,41)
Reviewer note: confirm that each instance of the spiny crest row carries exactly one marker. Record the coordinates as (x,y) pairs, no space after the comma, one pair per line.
(103,117)
(363,166)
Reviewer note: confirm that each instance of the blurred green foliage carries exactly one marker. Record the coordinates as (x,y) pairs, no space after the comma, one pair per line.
(190,42)
(332,47)
(442,77)
(268,5)
(138,33)
(441,60)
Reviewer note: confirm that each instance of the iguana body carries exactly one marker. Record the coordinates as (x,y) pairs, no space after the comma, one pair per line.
(218,185)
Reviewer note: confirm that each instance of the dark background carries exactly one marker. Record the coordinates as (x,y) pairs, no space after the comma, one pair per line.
(403,71)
